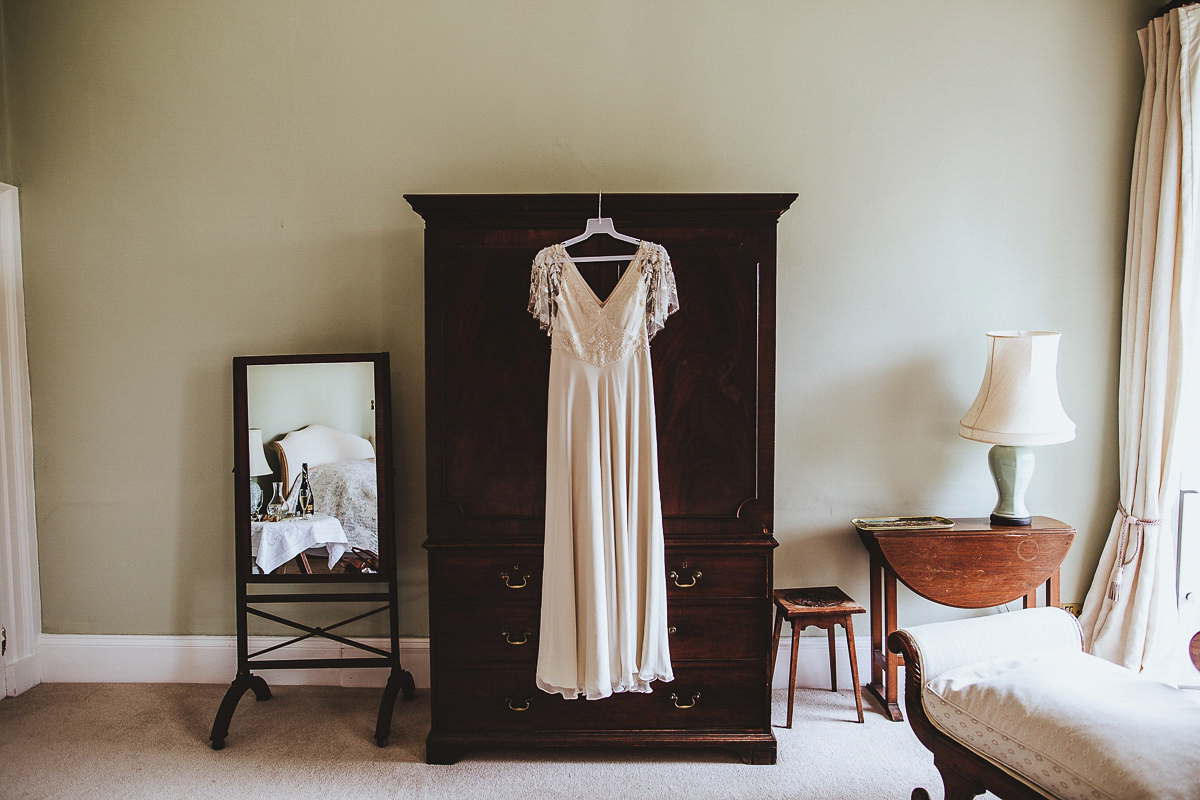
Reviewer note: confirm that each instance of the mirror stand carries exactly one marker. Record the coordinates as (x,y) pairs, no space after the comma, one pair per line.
(331,413)
(400,680)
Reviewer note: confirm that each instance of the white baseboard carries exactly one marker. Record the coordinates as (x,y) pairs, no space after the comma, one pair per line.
(20,676)
(812,663)
(72,658)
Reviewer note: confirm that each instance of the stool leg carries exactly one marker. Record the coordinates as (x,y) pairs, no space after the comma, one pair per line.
(775,641)
(832,660)
(792,680)
(853,665)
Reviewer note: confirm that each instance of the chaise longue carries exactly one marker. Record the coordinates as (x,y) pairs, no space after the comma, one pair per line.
(1011,704)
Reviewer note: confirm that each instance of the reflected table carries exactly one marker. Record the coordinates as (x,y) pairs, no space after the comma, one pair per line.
(276,543)
(973,565)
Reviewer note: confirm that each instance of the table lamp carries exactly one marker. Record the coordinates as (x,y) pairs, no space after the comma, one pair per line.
(1017,407)
(258,466)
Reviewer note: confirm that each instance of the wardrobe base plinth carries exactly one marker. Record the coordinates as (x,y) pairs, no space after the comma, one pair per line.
(757,753)
(752,748)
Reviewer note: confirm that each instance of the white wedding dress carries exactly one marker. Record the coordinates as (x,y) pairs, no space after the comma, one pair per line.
(604,595)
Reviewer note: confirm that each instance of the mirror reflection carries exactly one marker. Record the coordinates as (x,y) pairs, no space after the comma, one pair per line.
(314,496)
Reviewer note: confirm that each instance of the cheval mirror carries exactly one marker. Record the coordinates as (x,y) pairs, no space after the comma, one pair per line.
(313,511)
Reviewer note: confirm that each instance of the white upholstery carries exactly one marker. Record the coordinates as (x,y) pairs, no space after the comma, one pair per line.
(318,444)
(946,645)
(1018,689)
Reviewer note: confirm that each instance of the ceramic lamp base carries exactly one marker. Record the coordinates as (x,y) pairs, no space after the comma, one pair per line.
(1012,468)
(255,497)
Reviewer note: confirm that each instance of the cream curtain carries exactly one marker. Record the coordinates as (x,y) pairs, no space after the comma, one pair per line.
(1130,614)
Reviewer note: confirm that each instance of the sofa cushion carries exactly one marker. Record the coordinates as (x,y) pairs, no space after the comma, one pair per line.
(1074,725)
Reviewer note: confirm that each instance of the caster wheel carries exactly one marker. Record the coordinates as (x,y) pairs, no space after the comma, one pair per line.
(218,744)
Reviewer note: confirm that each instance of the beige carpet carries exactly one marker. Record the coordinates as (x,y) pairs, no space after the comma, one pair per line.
(99,741)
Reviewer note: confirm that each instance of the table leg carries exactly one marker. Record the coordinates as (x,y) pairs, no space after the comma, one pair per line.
(893,660)
(1052,599)
(854,665)
(832,659)
(884,665)
(775,641)
(1030,599)
(792,680)
(876,620)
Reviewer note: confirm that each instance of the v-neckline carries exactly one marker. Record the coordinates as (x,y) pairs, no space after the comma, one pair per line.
(595,297)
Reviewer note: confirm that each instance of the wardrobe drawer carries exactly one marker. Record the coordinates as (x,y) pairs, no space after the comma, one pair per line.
(726,630)
(508,633)
(717,574)
(488,576)
(472,634)
(725,696)
(481,699)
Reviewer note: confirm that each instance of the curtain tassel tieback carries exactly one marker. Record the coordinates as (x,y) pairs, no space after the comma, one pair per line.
(1128,523)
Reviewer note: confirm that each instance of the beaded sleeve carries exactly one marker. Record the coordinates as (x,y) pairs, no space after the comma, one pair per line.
(544,287)
(662,298)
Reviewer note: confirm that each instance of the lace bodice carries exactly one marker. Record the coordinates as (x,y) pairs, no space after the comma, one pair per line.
(602,331)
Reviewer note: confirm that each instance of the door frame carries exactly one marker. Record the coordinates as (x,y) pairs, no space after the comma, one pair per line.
(20,590)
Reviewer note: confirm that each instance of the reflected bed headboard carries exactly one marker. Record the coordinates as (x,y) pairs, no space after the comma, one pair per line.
(317,444)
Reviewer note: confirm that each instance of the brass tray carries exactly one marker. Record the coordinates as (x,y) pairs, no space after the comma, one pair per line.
(903,523)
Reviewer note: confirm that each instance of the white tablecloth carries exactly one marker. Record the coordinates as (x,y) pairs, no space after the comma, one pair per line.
(276,543)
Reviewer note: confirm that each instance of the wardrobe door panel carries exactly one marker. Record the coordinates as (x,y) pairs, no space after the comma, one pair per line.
(706,383)
(495,369)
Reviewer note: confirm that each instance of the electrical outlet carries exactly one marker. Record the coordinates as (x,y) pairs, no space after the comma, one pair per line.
(1074,608)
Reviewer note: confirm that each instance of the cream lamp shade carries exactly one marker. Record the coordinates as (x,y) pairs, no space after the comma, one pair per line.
(1018,402)
(1017,407)
(258,456)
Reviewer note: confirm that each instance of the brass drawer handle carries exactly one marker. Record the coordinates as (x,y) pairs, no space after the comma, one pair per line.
(695,577)
(525,707)
(508,638)
(675,699)
(504,576)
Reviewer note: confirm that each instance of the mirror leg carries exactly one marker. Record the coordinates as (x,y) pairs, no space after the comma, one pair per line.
(383,726)
(243,683)
(259,687)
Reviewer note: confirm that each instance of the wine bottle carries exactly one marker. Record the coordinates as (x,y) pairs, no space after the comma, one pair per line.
(304,503)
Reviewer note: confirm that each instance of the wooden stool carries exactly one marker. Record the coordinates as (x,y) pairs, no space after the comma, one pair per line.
(821,607)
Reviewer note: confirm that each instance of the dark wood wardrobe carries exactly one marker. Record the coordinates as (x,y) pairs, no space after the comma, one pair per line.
(487,368)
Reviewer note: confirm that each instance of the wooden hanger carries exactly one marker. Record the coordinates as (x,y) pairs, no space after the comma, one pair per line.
(600,224)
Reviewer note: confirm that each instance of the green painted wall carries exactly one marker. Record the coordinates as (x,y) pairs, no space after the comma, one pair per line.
(6,170)
(201,180)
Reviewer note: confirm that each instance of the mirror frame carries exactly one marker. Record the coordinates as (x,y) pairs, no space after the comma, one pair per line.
(385,471)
